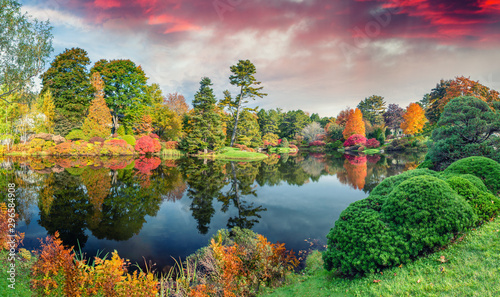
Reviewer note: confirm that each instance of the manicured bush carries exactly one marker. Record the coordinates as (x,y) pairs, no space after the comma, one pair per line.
(317,143)
(355,139)
(484,204)
(147,145)
(372,143)
(76,134)
(129,139)
(388,184)
(486,169)
(116,147)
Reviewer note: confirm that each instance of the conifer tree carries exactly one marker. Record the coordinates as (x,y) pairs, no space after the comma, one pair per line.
(98,122)
(354,124)
(204,127)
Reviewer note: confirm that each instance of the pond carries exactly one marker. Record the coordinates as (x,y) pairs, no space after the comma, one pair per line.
(152,209)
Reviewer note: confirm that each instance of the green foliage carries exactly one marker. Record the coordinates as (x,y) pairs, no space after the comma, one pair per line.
(386,186)
(486,169)
(466,128)
(248,130)
(284,143)
(333,146)
(270,139)
(419,213)
(293,122)
(269,121)
(129,139)
(334,131)
(372,109)
(121,130)
(76,134)
(69,81)
(25,44)
(407,143)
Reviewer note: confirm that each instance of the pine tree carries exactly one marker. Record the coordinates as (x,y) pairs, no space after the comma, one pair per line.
(354,124)
(98,122)
(414,119)
(204,127)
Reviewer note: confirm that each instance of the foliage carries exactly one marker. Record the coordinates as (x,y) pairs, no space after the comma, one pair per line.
(393,117)
(486,169)
(293,122)
(356,169)
(145,125)
(248,130)
(270,139)
(343,116)
(166,122)
(414,119)
(76,134)
(48,109)
(334,131)
(116,147)
(317,143)
(283,143)
(466,128)
(407,143)
(242,77)
(373,109)
(129,139)
(355,139)
(124,88)
(98,121)
(377,132)
(270,121)
(69,81)
(7,220)
(312,132)
(462,86)
(418,215)
(146,144)
(204,127)
(372,143)
(388,184)
(334,145)
(354,124)
(176,103)
(170,145)
(25,45)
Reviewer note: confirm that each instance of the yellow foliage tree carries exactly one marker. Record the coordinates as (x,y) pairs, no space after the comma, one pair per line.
(98,122)
(354,124)
(49,110)
(414,119)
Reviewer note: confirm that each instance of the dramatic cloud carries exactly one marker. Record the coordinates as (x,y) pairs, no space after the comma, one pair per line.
(318,55)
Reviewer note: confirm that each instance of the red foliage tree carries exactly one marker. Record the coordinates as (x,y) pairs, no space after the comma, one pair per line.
(372,143)
(146,144)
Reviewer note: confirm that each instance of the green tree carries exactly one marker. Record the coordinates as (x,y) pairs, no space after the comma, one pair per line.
(125,90)
(243,78)
(248,130)
(430,102)
(98,121)
(25,44)
(293,122)
(69,82)
(466,128)
(48,109)
(204,125)
(269,121)
(372,109)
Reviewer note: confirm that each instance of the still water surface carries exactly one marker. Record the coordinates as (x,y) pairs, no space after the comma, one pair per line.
(155,209)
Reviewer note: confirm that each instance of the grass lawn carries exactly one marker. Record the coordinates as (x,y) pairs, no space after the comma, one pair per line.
(470,267)
(282,150)
(235,154)
(371,151)
(22,284)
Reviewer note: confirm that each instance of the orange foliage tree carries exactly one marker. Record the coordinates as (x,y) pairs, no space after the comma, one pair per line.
(463,86)
(343,116)
(146,125)
(99,121)
(177,103)
(414,119)
(354,124)
(98,185)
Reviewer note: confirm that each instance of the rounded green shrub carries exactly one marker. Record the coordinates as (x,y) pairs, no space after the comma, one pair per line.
(486,169)
(484,204)
(76,134)
(130,139)
(388,184)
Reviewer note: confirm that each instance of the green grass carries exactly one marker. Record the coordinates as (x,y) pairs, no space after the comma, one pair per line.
(281,150)
(235,154)
(170,153)
(471,267)
(22,284)
(371,151)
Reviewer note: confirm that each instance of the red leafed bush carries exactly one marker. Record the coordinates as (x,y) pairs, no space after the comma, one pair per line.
(146,165)
(116,147)
(317,143)
(170,145)
(355,160)
(244,147)
(153,135)
(372,143)
(373,159)
(96,139)
(355,139)
(146,144)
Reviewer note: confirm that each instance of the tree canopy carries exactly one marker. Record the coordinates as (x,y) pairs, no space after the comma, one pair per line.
(414,119)
(373,109)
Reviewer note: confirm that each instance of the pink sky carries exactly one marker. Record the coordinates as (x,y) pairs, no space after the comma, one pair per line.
(316,55)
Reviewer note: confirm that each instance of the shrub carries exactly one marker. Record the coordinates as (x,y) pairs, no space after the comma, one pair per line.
(121,130)
(129,139)
(372,143)
(388,184)
(484,204)
(270,139)
(96,139)
(355,139)
(333,146)
(153,135)
(317,143)
(486,169)
(170,145)
(116,147)
(283,143)
(76,134)
(147,145)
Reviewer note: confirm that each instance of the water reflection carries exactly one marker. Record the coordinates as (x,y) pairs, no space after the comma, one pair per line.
(113,199)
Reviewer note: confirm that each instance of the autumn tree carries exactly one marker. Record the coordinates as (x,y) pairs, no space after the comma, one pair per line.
(25,45)
(242,77)
(69,81)
(463,86)
(393,117)
(48,109)
(146,124)
(354,124)
(204,126)
(373,109)
(414,119)
(176,103)
(343,116)
(98,121)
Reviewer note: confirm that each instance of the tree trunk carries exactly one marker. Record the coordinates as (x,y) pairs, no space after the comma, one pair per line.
(236,118)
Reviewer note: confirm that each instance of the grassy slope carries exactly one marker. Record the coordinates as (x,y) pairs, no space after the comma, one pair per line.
(472,268)
(230,153)
(22,286)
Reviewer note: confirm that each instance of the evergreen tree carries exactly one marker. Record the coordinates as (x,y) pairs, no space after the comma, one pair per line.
(98,121)
(248,130)
(293,122)
(69,82)
(269,121)
(204,126)
(372,109)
